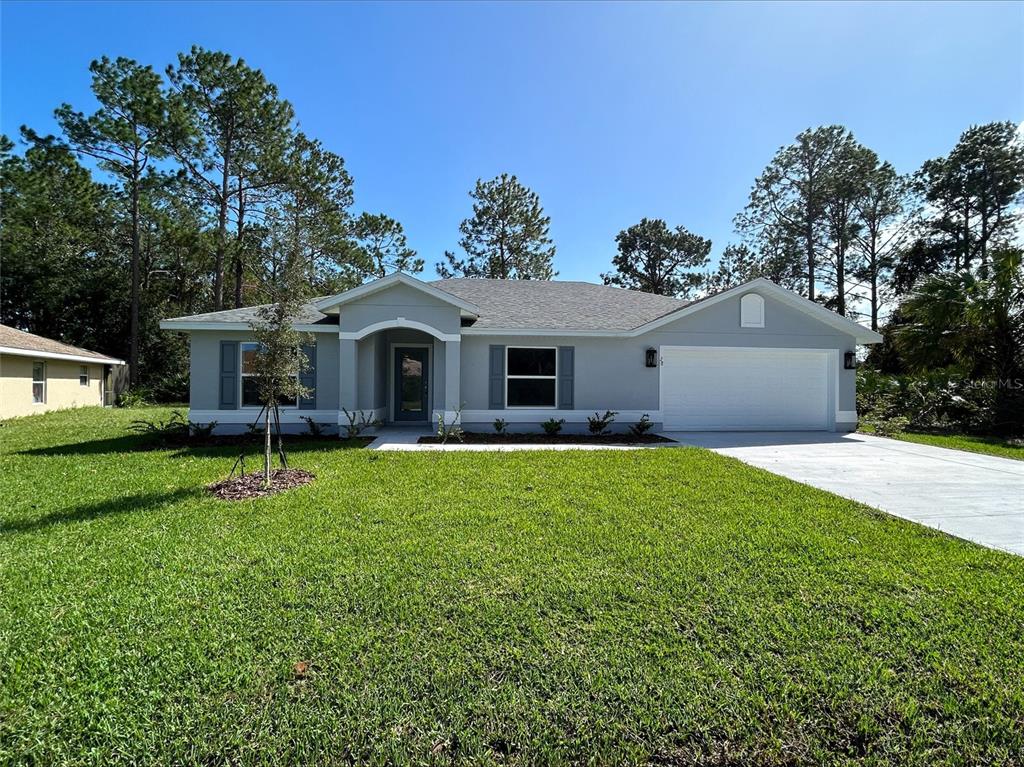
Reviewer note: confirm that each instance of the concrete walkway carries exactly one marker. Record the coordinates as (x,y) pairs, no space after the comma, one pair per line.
(969,495)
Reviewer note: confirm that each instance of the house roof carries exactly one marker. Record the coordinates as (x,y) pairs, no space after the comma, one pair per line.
(557,305)
(532,306)
(20,343)
(308,315)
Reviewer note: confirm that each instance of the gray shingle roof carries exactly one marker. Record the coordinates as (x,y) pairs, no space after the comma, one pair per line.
(518,304)
(13,338)
(558,305)
(308,315)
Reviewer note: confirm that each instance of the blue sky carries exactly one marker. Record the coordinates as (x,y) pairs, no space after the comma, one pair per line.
(611,112)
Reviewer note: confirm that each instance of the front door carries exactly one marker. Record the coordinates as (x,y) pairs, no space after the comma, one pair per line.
(411,384)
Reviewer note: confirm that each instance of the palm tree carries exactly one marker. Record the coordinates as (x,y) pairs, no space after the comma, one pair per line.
(974,320)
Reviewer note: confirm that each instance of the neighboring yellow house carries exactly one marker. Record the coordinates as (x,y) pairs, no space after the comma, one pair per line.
(39,374)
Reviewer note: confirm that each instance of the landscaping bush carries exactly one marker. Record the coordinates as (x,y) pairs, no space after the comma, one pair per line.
(598,424)
(552,426)
(500,425)
(641,427)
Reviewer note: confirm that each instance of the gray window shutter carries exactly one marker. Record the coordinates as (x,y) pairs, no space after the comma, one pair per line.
(566,376)
(228,375)
(308,378)
(496,397)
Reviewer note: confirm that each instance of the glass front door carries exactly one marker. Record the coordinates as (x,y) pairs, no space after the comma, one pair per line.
(411,384)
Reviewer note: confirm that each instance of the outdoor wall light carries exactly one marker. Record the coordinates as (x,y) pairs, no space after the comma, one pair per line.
(651,358)
(850,361)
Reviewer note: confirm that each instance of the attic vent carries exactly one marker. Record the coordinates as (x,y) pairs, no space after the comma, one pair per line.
(752,311)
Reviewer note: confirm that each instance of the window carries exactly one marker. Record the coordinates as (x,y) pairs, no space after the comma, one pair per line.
(752,311)
(83,375)
(39,382)
(250,395)
(530,377)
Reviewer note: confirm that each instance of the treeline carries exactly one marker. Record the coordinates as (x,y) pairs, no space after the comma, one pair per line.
(190,190)
(204,186)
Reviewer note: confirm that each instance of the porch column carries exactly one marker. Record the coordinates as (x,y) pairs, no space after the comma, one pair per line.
(348,374)
(452,375)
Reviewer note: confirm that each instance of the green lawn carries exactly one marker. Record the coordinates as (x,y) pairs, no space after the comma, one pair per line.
(658,606)
(987,445)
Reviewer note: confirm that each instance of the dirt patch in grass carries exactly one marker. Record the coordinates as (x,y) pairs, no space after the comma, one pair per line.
(251,485)
(480,438)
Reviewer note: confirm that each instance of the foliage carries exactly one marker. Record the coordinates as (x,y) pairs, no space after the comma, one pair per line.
(788,202)
(641,427)
(134,397)
(358,423)
(313,428)
(669,580)
(935,400)
(507,236)
(500,425)
(598,424)
(173,429)
(279,359)
(552,426)
(655,259)
(383,242)
(974,320)
(975,193)
(448,429)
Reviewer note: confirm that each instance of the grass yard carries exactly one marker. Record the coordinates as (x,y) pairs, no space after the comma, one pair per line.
(659,606)
(987,445)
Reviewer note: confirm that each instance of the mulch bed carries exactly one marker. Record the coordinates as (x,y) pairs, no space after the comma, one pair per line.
(481,438)
(251,485)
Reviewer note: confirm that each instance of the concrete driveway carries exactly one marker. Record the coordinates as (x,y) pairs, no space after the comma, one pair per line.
(972,496)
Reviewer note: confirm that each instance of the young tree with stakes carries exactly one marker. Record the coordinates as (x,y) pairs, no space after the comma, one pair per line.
(279,360)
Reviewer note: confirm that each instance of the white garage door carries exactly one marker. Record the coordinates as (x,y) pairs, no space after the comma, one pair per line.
(744,389)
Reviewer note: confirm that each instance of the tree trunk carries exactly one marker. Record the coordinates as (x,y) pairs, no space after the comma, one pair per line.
(238,246)
(266,447)
(222,236)
(841,279)
(133,332)
(873,268)
(809,244)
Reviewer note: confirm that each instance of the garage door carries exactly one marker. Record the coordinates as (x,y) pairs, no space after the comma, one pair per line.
(744,389)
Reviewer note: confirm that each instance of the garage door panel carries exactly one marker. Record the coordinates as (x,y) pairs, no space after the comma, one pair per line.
(745,389)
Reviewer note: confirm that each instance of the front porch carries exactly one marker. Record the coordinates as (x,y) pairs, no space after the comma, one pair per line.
(399,376)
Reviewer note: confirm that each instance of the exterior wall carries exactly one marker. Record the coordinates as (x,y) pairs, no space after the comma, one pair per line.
(62,387)
(399,301)
(204,383)
(610,371)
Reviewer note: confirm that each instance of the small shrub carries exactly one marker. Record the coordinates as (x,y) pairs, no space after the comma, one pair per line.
(552,426)
(253,429)
(446,431)
(202,430)
(641,427)
(358,423)
(314,429)
(133,398)
(500,425)
(176,426)
(598,424)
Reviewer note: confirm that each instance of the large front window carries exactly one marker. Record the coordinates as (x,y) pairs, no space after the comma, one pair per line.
(250,393)
(531,376)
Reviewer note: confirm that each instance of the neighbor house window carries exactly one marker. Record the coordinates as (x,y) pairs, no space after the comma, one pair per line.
(531,375)
(39,382)
(83,375)
(250,395)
